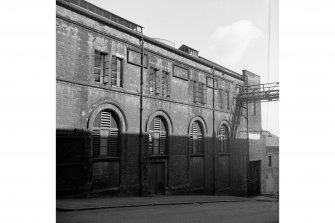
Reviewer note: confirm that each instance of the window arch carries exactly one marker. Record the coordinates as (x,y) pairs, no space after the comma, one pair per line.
(158,136)
(197,138)
(223,139)
(106,135)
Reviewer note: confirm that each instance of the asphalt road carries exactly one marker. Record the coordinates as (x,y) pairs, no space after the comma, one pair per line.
(230,212)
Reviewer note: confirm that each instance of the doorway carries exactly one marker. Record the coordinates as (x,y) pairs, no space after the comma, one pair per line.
(157,178)
(254,178)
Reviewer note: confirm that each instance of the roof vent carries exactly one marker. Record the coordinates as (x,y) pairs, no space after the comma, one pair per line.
(188,50)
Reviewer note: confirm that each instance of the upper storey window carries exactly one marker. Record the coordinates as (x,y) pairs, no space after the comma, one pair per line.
(153,81)
(159,82)
(199,92)
(165,83)
(101,67)
(108,69)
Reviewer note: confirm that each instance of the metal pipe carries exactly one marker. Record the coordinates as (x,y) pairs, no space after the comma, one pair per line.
(214,135)
(141,119)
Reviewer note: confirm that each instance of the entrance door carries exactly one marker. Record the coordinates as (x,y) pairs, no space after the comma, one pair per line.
(157,178)
(197,172)
(254,179)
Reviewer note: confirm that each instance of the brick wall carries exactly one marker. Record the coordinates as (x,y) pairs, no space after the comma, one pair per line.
(79,96)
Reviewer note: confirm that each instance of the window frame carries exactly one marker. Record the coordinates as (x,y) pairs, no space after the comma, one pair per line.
(97,138)
(225,138)
(167,84)
(102,66)
(162,139)
(197,144)
(118,71)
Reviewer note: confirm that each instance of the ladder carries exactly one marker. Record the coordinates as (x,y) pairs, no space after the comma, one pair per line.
(237,110)
(248,94)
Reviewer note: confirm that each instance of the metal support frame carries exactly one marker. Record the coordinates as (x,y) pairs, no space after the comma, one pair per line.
(260,92)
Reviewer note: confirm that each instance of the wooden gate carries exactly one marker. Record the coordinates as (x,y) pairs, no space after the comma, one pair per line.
(71,162)
(254,179)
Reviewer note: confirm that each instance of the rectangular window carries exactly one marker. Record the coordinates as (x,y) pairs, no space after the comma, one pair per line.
(165,83)
(117,71)
(199,92)
(108,69)
(254,109)
(221,98)
(101,67)
(153,80)
(227,99)
(270,161)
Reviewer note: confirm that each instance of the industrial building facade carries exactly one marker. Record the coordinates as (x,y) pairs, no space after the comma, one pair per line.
(136,116)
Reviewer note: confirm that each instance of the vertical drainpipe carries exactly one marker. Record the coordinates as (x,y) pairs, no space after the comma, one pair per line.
(141,119)
(213,135)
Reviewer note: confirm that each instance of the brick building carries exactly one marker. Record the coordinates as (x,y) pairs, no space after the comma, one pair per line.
(126,128)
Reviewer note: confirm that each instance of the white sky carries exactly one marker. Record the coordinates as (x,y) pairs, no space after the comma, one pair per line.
(232,33)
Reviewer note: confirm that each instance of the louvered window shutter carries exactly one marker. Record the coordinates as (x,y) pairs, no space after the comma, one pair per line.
(113,134)
(157,127)
(151,143)
(195,137)
(199,144)
(113,142)
(221,133)
(96,142)
(190,143)
(106,69)
(162,143)
(97,66)
(223,139)
(204,93)
(114,71)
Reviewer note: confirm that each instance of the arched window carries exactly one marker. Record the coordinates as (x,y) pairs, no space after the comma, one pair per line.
(157,137)
(106,135)
(197,139)
(223,138)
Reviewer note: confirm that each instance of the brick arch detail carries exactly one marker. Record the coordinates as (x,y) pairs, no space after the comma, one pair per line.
(203,125)
(162,114)
(113,108)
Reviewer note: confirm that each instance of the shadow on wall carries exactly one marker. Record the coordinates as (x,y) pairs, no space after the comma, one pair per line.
(110,163)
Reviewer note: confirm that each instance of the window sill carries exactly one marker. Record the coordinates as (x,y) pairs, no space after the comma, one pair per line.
(198,155)
(224,154)
(106,158)
(158,156)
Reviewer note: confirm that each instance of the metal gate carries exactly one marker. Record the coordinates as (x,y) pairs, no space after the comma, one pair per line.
(71,161)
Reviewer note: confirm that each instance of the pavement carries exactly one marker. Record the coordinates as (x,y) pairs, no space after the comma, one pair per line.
(82,204)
